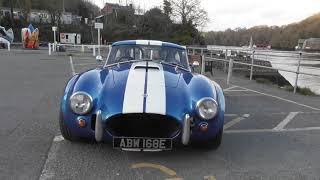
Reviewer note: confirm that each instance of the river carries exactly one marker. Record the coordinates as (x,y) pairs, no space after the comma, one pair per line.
(310,63)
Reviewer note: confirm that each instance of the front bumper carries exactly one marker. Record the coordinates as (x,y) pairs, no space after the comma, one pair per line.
(96,129)
(185,135)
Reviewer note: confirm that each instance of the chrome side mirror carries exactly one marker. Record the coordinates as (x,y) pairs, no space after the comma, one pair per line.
(195,64)
(99,59)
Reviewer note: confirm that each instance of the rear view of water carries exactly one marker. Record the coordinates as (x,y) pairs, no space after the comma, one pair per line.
(310,63)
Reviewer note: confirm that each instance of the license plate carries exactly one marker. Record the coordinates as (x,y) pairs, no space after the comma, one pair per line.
(142,143)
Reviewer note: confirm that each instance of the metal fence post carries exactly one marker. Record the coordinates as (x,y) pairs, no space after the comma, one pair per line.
(49,45)
(297,74)
(82,48)
(225,63)
(266,57)
(230,71)
(9,48)
(94,50)
(193,52)
(109,50)
(211,62)
(55,47)
(202,65)
(252,62)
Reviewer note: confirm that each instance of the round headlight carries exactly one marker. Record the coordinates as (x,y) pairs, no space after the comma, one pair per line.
(207,108)
(81,103)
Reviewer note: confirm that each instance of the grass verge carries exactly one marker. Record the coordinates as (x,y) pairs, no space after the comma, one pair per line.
(303,91)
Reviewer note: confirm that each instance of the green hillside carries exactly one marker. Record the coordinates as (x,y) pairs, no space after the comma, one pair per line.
(284,37)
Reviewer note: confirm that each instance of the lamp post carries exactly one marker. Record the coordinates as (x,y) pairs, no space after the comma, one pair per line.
(99,26)
(54,29)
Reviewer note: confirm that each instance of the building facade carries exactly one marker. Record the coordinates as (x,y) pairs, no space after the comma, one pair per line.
(41,16)
(110,8)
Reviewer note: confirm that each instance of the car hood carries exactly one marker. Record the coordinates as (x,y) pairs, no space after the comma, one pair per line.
(138,71)
(144,87)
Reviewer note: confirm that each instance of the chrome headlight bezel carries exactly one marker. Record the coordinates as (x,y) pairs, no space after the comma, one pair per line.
(200,103)
(73,108)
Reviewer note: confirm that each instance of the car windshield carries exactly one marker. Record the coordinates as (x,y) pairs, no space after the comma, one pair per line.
(160,54)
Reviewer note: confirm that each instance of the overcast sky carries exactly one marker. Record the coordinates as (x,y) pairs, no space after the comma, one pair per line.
(226,14)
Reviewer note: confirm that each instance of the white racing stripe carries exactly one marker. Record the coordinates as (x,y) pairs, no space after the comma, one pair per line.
(142,42)
(156,90)
(155,43)
(133,96)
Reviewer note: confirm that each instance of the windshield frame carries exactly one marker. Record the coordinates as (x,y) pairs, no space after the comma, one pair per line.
(183,65)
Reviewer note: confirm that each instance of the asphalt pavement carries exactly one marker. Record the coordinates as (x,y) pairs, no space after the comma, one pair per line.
(269,133)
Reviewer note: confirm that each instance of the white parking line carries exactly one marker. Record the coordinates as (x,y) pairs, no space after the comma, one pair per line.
(283,99)
(58,138)
(47,172)
(235,121)
(241,95)
(73,72)
(85,64)
(230,115)
(246,131)
(228,89)
(300,112)
(236,90)
(286,120)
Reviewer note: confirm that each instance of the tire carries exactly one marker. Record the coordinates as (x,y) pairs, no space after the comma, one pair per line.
(212,143)
(216,141)
(65,132)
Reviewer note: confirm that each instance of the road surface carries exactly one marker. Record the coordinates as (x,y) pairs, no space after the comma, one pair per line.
(269,133)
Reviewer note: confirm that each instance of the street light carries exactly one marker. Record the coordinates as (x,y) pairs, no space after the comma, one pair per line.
(54,29)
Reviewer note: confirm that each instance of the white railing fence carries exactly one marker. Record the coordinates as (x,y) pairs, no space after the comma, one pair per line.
(78,48)
(227,58)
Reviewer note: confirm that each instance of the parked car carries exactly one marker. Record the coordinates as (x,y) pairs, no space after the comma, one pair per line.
(145,97)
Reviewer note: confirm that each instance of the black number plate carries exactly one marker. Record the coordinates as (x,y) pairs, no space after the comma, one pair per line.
(142,143)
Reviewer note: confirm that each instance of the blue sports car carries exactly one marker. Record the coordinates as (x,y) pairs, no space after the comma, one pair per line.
(145,97)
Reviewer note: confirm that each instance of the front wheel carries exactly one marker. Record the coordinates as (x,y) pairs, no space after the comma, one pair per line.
(212,143)
(215,142)
(65,132)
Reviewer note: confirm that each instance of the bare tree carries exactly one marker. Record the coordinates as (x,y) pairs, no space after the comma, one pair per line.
(167,9)
(11,12)
(189,12)
(26,10)
(54,11)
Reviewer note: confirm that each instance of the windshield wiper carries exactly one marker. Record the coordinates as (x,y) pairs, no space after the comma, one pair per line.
(173,64)
(128,61)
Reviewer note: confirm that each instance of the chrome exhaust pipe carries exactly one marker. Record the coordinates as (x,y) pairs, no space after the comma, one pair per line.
(186,129)
(99,129)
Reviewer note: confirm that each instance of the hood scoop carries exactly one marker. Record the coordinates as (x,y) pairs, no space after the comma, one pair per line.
(150,66)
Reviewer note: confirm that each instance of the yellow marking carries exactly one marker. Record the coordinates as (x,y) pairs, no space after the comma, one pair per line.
(209,178)
(155,166)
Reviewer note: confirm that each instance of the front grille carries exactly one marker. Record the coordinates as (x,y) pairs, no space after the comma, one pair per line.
(143,125)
